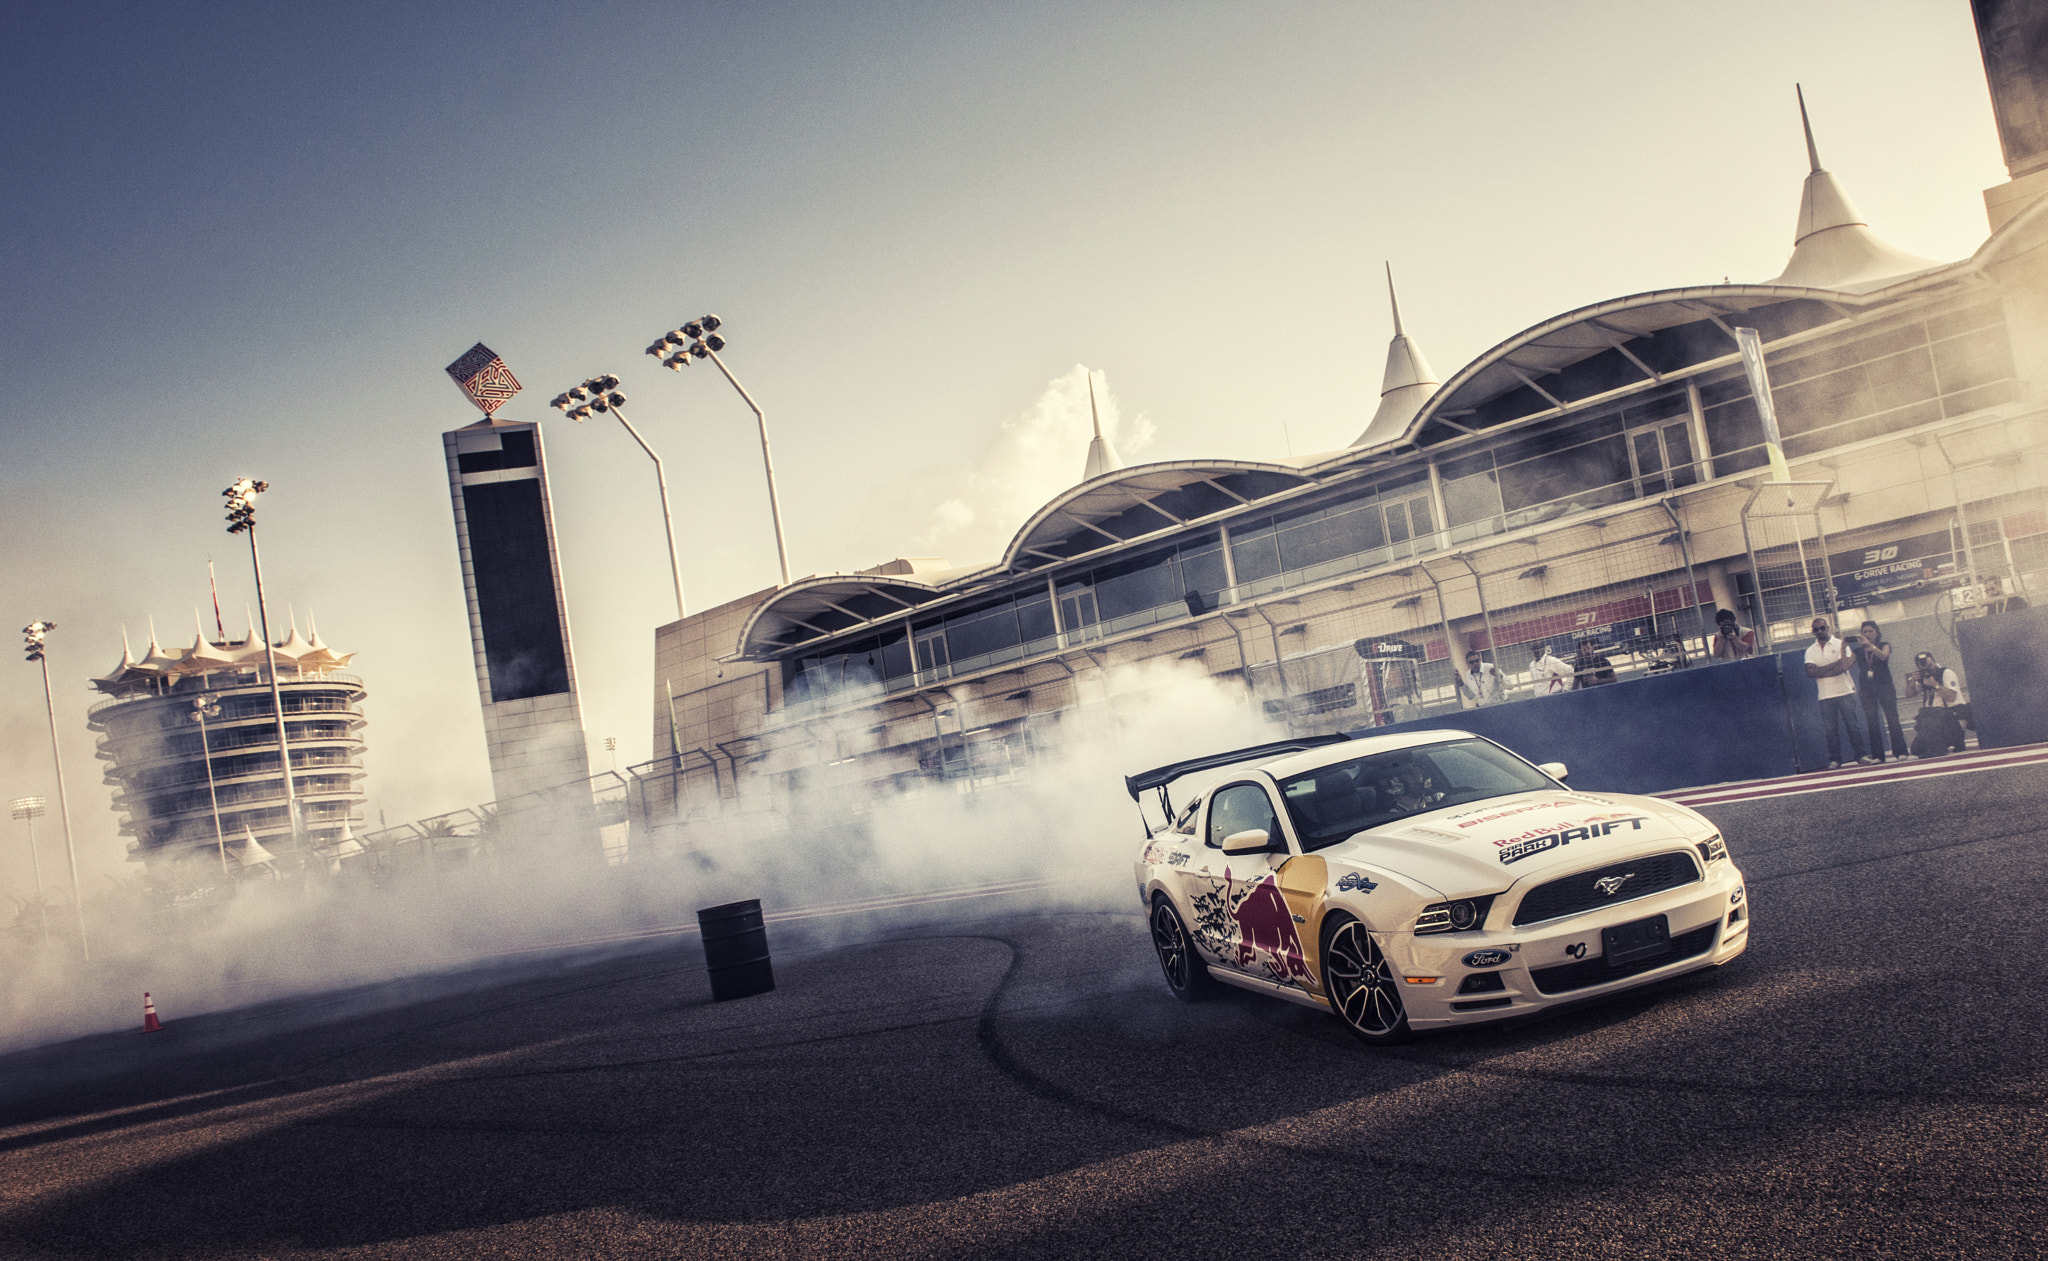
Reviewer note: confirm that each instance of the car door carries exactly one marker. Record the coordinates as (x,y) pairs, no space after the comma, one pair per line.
(1236,910)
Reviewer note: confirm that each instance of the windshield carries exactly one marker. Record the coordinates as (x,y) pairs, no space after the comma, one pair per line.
(1333,802)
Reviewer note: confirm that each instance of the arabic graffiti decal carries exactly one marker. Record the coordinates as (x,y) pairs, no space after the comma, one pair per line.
(1356,880)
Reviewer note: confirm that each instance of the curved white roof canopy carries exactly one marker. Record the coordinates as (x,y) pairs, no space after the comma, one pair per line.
(1406,386)
(1105,511)
(1834,247)
(1573,359)
(815,608)
(1128,504)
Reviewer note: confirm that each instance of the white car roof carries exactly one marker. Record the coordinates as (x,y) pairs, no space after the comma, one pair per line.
(1296,763)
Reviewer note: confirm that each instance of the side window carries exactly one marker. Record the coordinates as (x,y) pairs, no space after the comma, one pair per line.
(1240,808)
(1186,823)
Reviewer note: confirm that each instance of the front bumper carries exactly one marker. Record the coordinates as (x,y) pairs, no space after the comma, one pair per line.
(1562,961)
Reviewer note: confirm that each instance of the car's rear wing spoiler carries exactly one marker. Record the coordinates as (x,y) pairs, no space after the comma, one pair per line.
(1160,777)
(1164,775)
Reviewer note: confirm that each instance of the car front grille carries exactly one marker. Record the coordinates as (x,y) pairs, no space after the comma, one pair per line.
(1579,891)
(1590,972)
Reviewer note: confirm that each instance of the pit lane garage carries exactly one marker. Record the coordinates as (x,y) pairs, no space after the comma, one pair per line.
(1427,880)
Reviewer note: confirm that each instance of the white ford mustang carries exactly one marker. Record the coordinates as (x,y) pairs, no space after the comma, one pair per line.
(1426,880)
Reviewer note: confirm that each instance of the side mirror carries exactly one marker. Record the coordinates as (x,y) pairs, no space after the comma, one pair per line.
(1253,841)
(1556,770)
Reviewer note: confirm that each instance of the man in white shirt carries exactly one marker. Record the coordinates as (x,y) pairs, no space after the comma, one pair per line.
(1551,676)
(1827,664)
(1480,680)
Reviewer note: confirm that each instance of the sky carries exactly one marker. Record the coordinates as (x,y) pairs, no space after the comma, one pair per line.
(244,240)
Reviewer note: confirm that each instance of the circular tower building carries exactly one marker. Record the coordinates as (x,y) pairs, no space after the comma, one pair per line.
(150,738)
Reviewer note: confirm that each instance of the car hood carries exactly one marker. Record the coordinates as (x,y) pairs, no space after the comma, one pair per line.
(1486,846)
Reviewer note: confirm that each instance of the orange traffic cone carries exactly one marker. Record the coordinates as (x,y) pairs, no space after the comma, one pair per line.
(150,1024)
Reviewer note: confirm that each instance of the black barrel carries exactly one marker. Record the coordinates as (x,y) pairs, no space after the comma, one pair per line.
(736,950)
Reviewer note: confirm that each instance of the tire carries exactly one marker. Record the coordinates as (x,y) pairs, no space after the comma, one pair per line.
(1186,975)
(1360,983)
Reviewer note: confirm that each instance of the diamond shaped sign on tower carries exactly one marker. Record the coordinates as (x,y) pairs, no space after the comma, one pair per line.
(485,378)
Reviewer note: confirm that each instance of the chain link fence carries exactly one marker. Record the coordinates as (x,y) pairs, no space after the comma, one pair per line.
(1788,558)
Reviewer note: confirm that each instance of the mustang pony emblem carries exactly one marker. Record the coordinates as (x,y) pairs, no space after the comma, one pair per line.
(1611,885)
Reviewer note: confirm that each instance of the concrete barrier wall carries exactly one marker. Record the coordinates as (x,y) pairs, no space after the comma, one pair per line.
(2006,655)
(1705,725)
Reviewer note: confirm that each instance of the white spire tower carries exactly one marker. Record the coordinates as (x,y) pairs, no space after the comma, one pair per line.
(1102,458)
(1834,247)
(1407,385)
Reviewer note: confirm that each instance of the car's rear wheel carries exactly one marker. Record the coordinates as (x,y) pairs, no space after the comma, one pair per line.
(1361,983)
(1186,975)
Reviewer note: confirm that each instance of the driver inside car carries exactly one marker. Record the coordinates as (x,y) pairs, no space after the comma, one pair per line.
(1407,788)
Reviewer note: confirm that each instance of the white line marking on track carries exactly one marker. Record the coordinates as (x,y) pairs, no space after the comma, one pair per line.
(1858,776)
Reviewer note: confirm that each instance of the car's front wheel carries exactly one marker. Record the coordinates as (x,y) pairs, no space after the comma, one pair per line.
(1186,975)
(1361,983)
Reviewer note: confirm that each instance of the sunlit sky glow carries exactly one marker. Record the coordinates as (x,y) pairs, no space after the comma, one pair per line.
(243,240)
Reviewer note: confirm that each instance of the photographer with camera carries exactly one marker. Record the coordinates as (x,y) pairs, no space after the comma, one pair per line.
(1936,729)
(1731,641)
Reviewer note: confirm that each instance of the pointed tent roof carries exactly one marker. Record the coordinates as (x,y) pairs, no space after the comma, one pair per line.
(1102,458)
(321,657)
(205,655)
(113,679)
(250,853)
(346,845)
(1408,384)
(1834,247)
(156,658)
(295,649)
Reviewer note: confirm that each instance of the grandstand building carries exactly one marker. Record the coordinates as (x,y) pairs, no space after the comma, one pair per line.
(1601,475)
(150,742)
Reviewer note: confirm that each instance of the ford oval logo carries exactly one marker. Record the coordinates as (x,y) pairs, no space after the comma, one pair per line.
(1486,958)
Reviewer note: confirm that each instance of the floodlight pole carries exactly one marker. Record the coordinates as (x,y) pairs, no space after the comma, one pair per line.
(668,521)
(767,462)
(26,809)
(64,808)
(242,518)
(206,755)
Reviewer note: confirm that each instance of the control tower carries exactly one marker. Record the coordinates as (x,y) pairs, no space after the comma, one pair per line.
(512,578)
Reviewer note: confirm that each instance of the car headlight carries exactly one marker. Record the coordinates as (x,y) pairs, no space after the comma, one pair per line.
(1454,917)
(1713,850)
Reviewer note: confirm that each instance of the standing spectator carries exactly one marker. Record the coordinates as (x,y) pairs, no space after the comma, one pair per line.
(1879,695)
(1731,640)
(1827,664)
(1549,672)
(1589,668)
(1480,680)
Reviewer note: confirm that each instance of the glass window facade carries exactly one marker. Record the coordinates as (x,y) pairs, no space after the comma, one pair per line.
(1858,383)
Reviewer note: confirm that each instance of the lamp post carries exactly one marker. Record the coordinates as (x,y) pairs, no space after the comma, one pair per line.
(241,510)
(601,394)
(27,808)
(699,339)
(34,634)
(203,708)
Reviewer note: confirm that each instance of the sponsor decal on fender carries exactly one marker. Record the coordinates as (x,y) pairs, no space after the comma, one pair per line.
(1356,880)
(1178,858)
(1515,849)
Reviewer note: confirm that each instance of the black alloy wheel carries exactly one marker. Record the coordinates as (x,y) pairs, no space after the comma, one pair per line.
(1361,983)
(1186,975)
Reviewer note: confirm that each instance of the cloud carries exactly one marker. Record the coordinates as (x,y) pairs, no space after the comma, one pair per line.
(968,511)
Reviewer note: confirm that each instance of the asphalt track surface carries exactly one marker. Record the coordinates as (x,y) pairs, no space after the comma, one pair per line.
(1867,1081)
